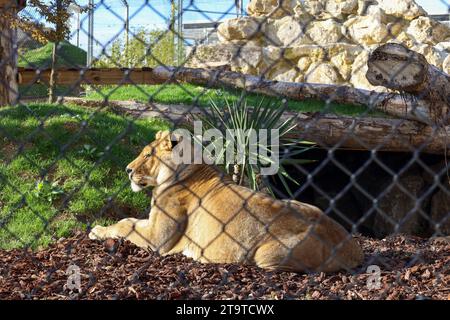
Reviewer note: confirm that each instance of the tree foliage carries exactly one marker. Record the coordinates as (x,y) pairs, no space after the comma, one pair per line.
(56,13)
(145,49)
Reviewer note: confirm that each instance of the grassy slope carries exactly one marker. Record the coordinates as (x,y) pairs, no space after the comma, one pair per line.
(68,56)
(189,94)
(57,149)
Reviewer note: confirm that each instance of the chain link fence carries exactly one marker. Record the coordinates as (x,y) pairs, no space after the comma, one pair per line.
(301,155)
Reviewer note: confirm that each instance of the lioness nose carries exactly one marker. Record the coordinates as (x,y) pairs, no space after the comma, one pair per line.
(129,170)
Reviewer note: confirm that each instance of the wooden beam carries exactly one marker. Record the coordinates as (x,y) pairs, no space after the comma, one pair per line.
(94,76)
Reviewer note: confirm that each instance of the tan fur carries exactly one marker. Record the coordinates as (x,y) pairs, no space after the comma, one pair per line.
(201,213)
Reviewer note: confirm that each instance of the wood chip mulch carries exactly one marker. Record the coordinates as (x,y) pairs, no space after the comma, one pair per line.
(411,268)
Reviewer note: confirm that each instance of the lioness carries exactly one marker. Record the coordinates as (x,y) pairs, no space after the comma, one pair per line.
(201,213)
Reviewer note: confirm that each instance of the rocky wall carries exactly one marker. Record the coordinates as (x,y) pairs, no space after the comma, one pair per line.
(322,41)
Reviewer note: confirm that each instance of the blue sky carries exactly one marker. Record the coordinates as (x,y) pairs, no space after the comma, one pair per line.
(434,6)
(110,14)
(154,14)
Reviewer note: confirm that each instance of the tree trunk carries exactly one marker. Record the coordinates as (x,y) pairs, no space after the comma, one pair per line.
(381,134)
(53,75)
(394,135)
(9,88)
(425,88)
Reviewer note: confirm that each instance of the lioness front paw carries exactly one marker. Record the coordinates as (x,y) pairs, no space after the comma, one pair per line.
(98,233)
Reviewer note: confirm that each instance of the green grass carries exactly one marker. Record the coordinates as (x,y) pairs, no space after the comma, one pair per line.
(189,94)
(62,168)
(41,91)
(69,56)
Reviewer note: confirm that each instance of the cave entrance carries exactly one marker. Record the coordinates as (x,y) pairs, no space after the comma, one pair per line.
(376,194)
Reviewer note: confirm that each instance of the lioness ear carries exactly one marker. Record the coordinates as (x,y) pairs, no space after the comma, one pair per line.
(161,134)
(164,140)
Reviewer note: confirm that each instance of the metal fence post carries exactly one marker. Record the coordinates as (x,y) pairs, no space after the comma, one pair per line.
(90,52)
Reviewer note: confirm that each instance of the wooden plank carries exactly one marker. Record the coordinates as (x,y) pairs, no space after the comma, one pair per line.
(101,76)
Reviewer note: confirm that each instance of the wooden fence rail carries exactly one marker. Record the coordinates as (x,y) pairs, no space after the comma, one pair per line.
(94,76)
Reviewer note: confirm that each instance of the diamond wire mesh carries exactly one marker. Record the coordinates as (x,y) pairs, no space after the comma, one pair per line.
(393,196)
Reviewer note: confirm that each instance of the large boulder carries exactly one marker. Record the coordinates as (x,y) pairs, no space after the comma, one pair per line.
(326,9)
(433,55)
(405,39)
(425,30)
(325,32)
(359,69)
(272,8)
(213,55)
(340,55)
(324,73)
(245,28)
(303,64)
(287,31)
(247,60)
(291,32)
(314,8)
(343,56)
(341,8)
(287,74)
(314,52)
(366,30)
(443,46)
(272,54)
(404,9)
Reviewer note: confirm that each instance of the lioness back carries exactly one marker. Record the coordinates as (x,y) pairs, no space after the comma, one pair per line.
(230,223)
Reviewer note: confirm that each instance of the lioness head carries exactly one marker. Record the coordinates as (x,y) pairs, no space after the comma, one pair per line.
(145,169)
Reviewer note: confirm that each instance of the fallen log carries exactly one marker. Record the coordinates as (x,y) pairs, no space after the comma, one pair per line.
(426,88)
(390,103)
(340,132)
(373,134)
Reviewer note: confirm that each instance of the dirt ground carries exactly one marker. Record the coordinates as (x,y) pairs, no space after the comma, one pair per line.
(411,268)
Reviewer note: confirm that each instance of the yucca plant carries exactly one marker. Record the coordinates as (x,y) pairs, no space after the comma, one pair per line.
(239,117)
